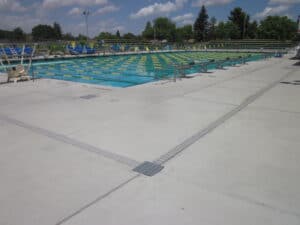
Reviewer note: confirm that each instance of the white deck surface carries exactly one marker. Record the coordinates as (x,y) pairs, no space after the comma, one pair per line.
(68,160)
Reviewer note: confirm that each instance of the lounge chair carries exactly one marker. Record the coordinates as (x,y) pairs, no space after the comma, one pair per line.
(115,48)
(28,50)
(127,48)
(71,50)
(90,50)
(75,50)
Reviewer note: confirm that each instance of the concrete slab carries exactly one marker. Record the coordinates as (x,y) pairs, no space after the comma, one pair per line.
(245,171)
(253,156)
(68,160)
(43,180)
(170,200)
(289,101)
(146,133)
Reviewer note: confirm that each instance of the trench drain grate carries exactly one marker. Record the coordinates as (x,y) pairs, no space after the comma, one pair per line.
(88,96)
(148,168)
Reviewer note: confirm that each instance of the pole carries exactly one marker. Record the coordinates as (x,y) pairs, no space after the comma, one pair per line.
(23,50)
(298,24)
(31,56)
(86,14)
(244,26)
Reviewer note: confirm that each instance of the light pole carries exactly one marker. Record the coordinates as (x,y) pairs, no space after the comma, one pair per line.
(298,22)
(86,14)
(244,25)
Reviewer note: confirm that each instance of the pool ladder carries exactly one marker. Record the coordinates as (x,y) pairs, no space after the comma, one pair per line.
(202,66)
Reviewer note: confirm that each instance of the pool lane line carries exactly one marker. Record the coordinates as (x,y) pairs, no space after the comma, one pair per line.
(212,126)
(70,141)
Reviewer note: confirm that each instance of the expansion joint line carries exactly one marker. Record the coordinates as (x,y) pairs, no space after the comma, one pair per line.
(197,136)
(67,140)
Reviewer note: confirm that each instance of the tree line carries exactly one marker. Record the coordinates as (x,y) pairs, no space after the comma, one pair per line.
(238,26)
(41,32)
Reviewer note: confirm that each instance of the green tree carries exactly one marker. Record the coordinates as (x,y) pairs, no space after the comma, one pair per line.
(201,25)
(118,34)
(252,30)
(43,32)
(129,36)
(164,29)
(277,27)
(82,39)
(148,32)
(57,30)
(105,35)
(212,29)
(241,19)
(184,33)
(18,34)
(227,30)
(68,36)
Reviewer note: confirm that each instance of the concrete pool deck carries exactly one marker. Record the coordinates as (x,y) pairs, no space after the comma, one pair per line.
(229,142)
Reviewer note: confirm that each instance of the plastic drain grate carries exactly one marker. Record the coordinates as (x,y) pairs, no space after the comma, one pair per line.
(88,96)
(148,168)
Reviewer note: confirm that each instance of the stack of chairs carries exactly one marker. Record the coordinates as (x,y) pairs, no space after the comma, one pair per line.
(116,48)
(15,51)
(74,49)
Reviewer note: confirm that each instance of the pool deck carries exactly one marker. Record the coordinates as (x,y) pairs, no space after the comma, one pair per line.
(229,142)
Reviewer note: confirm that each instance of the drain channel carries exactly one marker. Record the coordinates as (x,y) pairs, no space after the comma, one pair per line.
(88,96)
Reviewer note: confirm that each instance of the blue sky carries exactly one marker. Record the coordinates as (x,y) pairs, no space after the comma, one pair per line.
(129,15)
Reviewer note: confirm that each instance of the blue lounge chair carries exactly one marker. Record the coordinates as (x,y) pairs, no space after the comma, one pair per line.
(18,50)
(115,47)
(127,47)
(79,49)
(8,52)
(75,51)
(71,50)
(28,50)
(88,50)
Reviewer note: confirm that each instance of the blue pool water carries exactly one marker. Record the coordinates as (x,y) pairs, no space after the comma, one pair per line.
(126,70)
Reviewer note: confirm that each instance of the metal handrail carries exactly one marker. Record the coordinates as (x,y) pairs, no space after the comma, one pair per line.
(202,66)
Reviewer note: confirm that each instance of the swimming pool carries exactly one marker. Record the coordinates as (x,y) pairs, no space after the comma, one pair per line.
(127,70)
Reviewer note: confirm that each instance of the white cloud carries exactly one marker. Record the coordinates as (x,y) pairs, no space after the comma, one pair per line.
(95,28)
(159,8)
(268,11)
(284,2)
(103,10)
(107,26)
(107,9)
(50,4)
(11,6)
(75,11)
(184,19)
(26,22)
(199,3)
(277,7)
(180,3)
